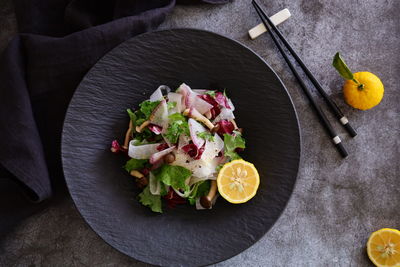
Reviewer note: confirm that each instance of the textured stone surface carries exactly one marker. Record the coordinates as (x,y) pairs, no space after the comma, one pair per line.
(336,203)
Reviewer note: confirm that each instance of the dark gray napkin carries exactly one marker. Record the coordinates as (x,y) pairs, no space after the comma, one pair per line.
(59,41)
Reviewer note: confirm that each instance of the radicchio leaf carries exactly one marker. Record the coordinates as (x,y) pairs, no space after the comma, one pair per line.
(155,128)
(193,151)
(222,100)
(215,110)
(225,127)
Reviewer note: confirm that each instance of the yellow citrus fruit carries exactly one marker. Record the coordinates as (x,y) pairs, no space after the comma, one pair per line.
(238,181)
(383,247)
(365,95)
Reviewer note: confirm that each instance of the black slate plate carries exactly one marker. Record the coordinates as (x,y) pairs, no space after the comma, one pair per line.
(105,194)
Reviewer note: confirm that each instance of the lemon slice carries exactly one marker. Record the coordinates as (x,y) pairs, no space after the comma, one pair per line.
(383,247)
(238,181)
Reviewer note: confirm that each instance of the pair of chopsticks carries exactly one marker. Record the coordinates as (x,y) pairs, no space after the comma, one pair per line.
(321,115)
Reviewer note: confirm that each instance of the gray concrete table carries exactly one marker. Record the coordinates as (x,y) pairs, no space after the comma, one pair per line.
(336,203)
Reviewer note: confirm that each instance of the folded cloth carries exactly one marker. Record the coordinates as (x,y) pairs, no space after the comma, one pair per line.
(59,41)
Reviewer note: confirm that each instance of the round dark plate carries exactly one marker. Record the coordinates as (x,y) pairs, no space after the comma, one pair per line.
(105,194)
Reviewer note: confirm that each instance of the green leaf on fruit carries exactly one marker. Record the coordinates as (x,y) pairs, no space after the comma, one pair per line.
(342,68)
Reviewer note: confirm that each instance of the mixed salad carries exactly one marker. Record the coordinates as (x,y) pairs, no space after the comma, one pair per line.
(177,142)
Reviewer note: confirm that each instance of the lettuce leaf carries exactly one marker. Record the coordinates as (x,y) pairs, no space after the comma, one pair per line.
(135,164)
(231,143)
(199,189)
(174,176)
(147,107)
(171,105)
(211,93)
(177,125)
(141,115)
(219,167)
(150,200)
(206,136)
(132,116)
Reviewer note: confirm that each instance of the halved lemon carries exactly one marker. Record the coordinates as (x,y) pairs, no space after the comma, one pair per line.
(383,247)
(238,181)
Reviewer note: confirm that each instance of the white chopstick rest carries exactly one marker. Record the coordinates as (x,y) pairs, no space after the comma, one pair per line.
(276,19)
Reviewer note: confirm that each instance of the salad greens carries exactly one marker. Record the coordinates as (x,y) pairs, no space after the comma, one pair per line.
(219,167)
(147,107)
(211,93)
(199,189)
(177,145)
(231,143)
(150,200)
(135,164)
(143,113)
(140,116)
(206,136)
(174,176)
(171,105)
(132,116)
(177,125)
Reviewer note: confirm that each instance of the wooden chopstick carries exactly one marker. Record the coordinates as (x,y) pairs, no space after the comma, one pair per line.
(321,115)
